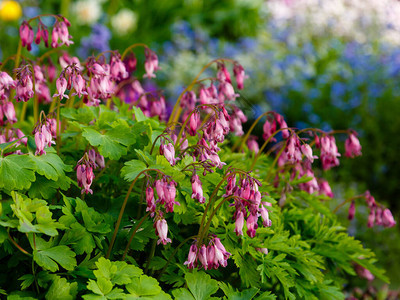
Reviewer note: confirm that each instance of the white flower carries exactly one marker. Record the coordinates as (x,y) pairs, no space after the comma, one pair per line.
(87,11)
(124,21)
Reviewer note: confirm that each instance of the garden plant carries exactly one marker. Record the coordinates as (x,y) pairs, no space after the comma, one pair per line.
(106,193)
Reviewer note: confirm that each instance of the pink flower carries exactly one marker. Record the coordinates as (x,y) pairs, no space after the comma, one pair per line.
(85,176)
(253,145)
(225,88)
(223,74)
(221,248)
(211,256)
(197,189)
(160,187)
(79,85)
(6,81)
(371,218)
(26,33)
(24,87)
(352,146)
(324,188)
(192,257)
(387,218)
(282,124)
(329,152)
(203,257)
(9,112)
(117,69)
(162,231)
(239,223)
(42,33)
(265,215)
(61,85)
(151,204)
(307,152)
(352,210)
(269,129)
(262,250)
(40,142)
(238,71)
(170,194)
(363,272)
(60,32)
(151,63)
(98,70)
(252,225)
(169,152)
(194,123)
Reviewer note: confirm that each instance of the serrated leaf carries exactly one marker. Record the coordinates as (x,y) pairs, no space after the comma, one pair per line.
(16,172)
(47,258)
(50,165)
(113,143)
(28,279)
(61,289)
(144,286)
(182,294)
(201,285)
(132,169)
(139,116)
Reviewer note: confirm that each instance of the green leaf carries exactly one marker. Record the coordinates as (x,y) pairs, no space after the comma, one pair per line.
(47,258)
(132,169)
(201,285)
(118,272)
(50,165)
(61,289)
(28,279)
(182,294)
(113,143)
(139,116)
(144,286)
(79,238)
(16,172)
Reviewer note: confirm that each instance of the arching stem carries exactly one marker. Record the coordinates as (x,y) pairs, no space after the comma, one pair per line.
(133,235)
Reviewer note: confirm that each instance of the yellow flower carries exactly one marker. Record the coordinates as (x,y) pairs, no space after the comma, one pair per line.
(10,10)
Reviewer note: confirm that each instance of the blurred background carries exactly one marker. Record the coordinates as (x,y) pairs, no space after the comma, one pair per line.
(331,64)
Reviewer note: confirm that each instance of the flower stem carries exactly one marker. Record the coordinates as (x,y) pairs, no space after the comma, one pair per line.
(132,47)
(18,246)
(133,235)
(121,212)
(153,249)
(347,201)
(58,129)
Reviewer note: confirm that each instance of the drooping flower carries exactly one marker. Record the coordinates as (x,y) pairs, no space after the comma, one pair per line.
(79,85)
(240,76)
(192,257)
(252,225)
(60,32)
(329,152)
(162,231)
(324,188)
(42,33)
(151,63)
(27,35)
(352,146)
(169,152)
(307,152)
(265,214)
(61,85)
(197,189)
(151,204)
(239,223)
(387,218)
(84,173)
(9,112)
(352,210)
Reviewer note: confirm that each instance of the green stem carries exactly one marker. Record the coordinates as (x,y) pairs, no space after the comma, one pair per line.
(210,202)
(347,201)
(18,246)
(58,138)
(133,235)
(123,209)
(18,55)
(173,254)
(132,47)
(151,255)
(207,227)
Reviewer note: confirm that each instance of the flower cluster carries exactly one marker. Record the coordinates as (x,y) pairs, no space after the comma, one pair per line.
(378,215)
(45,132)
(210,257)
(60,35)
